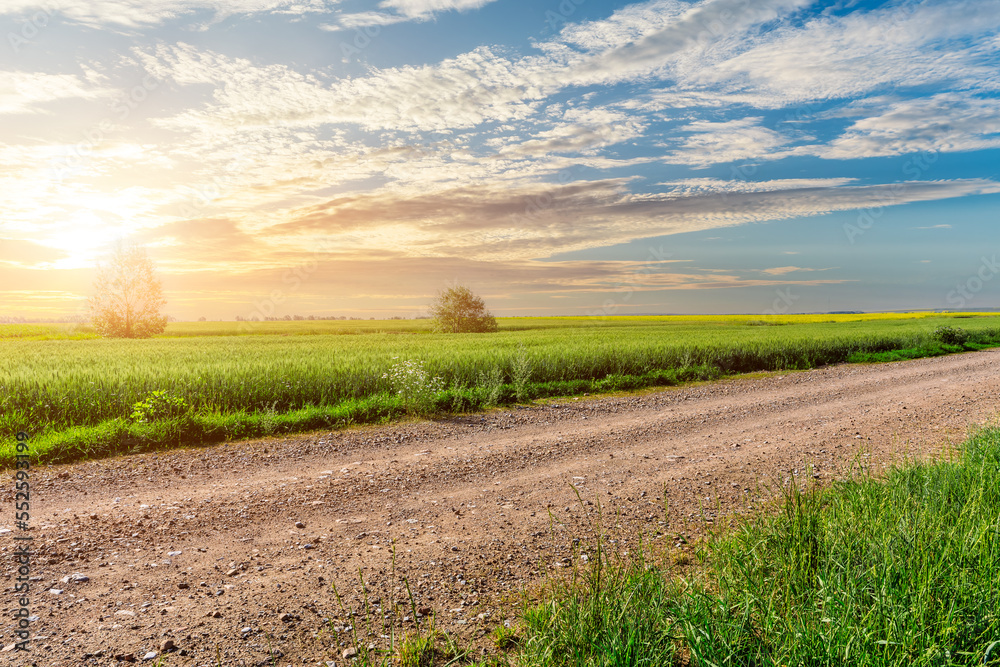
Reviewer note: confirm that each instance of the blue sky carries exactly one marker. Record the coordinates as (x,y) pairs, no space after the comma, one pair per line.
(573,157)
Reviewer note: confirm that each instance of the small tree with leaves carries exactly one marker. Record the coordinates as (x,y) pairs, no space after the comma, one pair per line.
(128,295)
(458,310)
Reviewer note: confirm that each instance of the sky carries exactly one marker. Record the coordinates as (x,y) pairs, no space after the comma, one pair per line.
(559,157)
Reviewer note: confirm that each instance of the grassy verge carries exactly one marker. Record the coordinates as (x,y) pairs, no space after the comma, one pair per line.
(126,436)
(903,570)
(946,340)
(186,427)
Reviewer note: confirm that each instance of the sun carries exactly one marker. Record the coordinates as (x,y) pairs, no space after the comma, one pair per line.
(85,237)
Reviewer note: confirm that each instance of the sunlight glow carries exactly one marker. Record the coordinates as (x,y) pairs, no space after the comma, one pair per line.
(85,238)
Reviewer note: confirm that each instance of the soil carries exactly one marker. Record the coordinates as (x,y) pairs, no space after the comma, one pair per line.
(232,554)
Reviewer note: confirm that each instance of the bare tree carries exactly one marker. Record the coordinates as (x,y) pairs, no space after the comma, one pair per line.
(128,295)
(458,310)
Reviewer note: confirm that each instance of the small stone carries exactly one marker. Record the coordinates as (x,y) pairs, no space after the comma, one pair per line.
(300,525)
(183,585)
(214,614)
(167,645)
(424,611)
(171,554)
(350,653)
(286,618)
(232,573)
(247,630)
(125,657)
(125,612)
(56,591)
(76,578)
(150,656)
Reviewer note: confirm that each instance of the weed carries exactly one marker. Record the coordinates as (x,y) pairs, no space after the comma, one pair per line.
(520,373)
(157,405)
(269,420)
(490,386)
(504,637)
(415,387)
(458,399)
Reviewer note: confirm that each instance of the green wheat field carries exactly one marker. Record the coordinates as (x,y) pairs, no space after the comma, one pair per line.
(80,396)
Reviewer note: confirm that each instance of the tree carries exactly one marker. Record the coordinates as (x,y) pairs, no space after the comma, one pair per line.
(458,310)
(128,295)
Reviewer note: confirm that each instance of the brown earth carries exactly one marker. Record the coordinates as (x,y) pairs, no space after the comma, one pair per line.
(231,552)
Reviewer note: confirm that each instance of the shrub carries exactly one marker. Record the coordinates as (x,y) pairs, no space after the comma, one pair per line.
(951,335)
(458,310)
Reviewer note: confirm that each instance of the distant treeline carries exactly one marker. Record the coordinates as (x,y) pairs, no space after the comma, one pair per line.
(11,319)
(290,318)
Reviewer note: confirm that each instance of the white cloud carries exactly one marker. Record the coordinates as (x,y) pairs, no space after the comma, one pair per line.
(842,57)
(143,13)
(692,31)
(702,186)
(713,143)
(580,130)
(519,221)
(23,92)
(782,270)
(948,122)
(405,10)
(624,26)
(460,92)
(712,50)
(362,20)
(420,8)
(903,45)
(474,87)
(485,121)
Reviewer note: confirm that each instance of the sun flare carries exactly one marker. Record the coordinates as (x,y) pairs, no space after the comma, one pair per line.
(84,239)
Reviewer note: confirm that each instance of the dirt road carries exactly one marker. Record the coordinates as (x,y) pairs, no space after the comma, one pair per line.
(228,554)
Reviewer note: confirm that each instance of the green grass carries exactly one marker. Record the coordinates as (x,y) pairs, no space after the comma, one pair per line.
(901,570)
(77,397)
(46,332)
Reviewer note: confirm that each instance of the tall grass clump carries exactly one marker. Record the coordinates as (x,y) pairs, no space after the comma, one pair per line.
(901,570)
